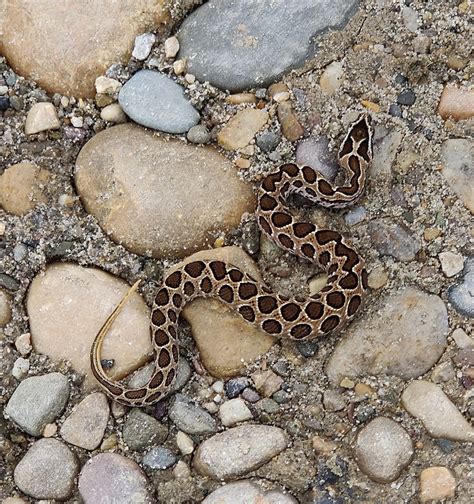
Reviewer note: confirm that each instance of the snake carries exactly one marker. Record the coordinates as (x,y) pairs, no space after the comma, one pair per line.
(297,318)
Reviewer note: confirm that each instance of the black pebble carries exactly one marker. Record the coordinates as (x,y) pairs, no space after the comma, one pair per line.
(395,110)
(4,103)
(406,98)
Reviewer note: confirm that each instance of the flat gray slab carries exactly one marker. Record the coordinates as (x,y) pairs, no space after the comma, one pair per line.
(238,44)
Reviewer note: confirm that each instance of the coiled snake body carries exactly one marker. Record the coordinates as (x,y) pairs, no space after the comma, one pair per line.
(296,318)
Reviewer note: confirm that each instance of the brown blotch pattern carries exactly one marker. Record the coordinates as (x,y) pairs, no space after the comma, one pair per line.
(162,297)
(314,310)
(286,241)
(247,290)
(206,285)
(325,188)
(327,235)
(272,326)
(291,169)
(264,225)
(309,174)
(218,269)
(268,203)
(170,377)
(290,311)
(173,280)
(353,306)
(164,358)
(302,229)
(308,250)
(195,268)
(177,300)
(350,281)
(247,312)
(226,293)
(336,299)
(330,323)
(236,275)
(135,394)
(300,331)
(158,317)
(266,304)
(189,288)
(281,219)
(156,380)
(161,337)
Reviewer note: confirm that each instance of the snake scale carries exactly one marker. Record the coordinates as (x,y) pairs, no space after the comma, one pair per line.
(296,318)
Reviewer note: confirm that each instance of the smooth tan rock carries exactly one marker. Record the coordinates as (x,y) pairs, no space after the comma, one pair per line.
(21,188)
(405,338)
(456,103)
(436,484)
(238,132)
(5,308)
(68,304)
(332,78)
(113,113)
(290,126)
(159,196)
(239,450)
(65,45)
(427,402)
(225,341)
(86,424)
(41,117)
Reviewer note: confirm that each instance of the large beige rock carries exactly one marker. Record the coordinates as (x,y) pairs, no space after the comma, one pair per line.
(68,304)
(156,195)
(65,45)
(238,132)
(225,341)
(21,188)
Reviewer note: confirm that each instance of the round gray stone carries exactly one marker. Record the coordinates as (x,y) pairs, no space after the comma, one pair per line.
(460,295)
(190,417)
(154,100)
(47,471)
(383,449)
(159,457)
(141,430)
(247,44)
(38,401)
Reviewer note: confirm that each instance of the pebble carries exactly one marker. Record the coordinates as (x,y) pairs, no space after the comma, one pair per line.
(427,402)
(268,140)
(239,98)
(107,85)
(378,277)
(241,128)
(436,484)
(451,263)
(406,97)
(68,297)
(238,450)
(160,458)
(410,19)
(250,395)
(390,238)
(461,339)
(154,100)
(235,52)
(268,405)
(41,117)
(20,368)
(14,500)
(185,443)
(37,401)
(395,110)
(267,382)
(234,411)
(113,477)
(141,430)
(332,78)
(47,471)
(22,188)
(171,47)
(143,45)
(179,66)
(71,68)
(113,113)
(457,156)
(290,126)
(225,341)
(383,449)
(6,310)
(189,417)
(4,103)
(333,400)
(247,492)
(405,338)
(456,103)
(23,344)
(199,134)
(181,470)
(314,152)
(460,294)
(443,373)
(85,426)
(137,207)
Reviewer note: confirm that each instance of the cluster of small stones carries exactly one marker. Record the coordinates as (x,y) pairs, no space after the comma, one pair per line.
(380,415)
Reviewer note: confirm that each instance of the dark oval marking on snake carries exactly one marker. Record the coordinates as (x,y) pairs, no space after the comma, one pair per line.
(206,285)
(327,235)
(308,250)
(281,219)
(135,394)
(189,288)
(266,304)
(272,326)
(170,377)
(162,297)
(247,290)
(302,229)
(161,337)
(314,310)
(247,312)
(172,315)
(291,169)
(174,280)
(336,299)
(226,293)
(350,281)
(158,317)
(286,241)
(156,380)
(353,306)
(177,300)
(218,269)
(164,358)
(290,311)
(309,174)
(330,323)
(301,331)
(195,268)
(236,275)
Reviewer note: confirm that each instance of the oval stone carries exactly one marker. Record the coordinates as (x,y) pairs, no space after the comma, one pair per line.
(157,195)
(36,39)
(154,100)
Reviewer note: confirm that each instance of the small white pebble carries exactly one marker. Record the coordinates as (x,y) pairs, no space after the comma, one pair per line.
(23,344)
(113,113)
(106,85)
(143,45)
(462,339)
(281,97)
(3,90)
(77,122)
(190,78)
(66,200)
(171,47)
(50,430)
(64,101)
(179,66)
(217,399)
(451,263)
(20,368)
(181,470)
(211,407)
(234,411)
(185,443)
(218,387)
(3,228)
